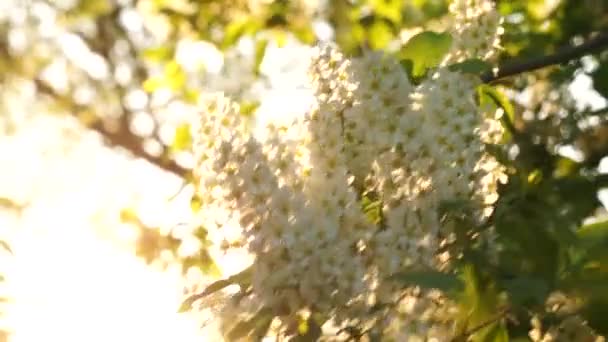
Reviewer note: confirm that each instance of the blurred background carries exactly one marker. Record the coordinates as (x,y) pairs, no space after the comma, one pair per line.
(97,209)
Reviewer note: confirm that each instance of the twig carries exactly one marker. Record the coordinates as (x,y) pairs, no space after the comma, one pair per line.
(596,44)
(500,315)
(121,136)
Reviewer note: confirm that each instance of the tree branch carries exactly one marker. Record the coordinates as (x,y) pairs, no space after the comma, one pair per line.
(596,44)
(124,138)
(502,313)
(118,135)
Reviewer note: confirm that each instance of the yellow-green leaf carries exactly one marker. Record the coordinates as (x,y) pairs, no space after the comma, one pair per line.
(426,50)
(182,139)
(158,54)
(260,51)
(380,35)
(153,83)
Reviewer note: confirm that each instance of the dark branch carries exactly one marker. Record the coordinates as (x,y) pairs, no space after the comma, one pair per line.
(119,135)
(123,137)
(596,44)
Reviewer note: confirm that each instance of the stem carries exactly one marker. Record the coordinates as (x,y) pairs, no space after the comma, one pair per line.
(121,136)
(500,315)
(596,44)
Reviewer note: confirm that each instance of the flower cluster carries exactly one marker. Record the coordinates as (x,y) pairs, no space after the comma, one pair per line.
(476,30)
(370,136)
(301,222)
(572,328)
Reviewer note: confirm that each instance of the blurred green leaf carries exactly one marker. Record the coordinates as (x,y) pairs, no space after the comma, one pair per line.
(308,331)
(497,333)
(389,9)
(4,245)
(372,209)
(305,34)
(203,261)
(480,303)
(175,76)
(429,280)
(380,35)
(248,108)
(158,54)
(595,312)
(425,50)
(526,290)
(501,101)
(255,325)
(93,8)
(240,278)
(235,30)
(471,66)
(191,95)
(153,83)
(260,51)
(182,139)
(593,234)
(195,203)
(593,239)
(600,79)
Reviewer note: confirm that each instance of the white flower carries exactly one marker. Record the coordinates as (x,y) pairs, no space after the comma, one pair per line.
(297,194)
(476,30)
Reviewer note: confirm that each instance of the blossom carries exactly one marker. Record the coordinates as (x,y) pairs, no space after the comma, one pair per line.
(476,30)
(370,137)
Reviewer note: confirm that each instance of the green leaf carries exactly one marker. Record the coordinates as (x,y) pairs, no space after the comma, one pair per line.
(261,329)
(174,76)
(471,66)
(93,8)
(247,108)
(195,203)
(255,325)
(308,331)
(499,152)
(595,312)
(526,290)
(479,303)
(237,29)
(430,280)
(497,333)
(389,9)
(203,261)
(593,234)
(593,240)
(305,34)
(153,83)
(425,50)
(502,101)
(214,287)
(182,139)
(260,51)
(600,79)
(380,35)
(158,54)
(372,209)
(191,95)
(455,205)
(4,245)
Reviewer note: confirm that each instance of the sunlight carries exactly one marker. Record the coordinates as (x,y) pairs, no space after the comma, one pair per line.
(72,286)
(74,276)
